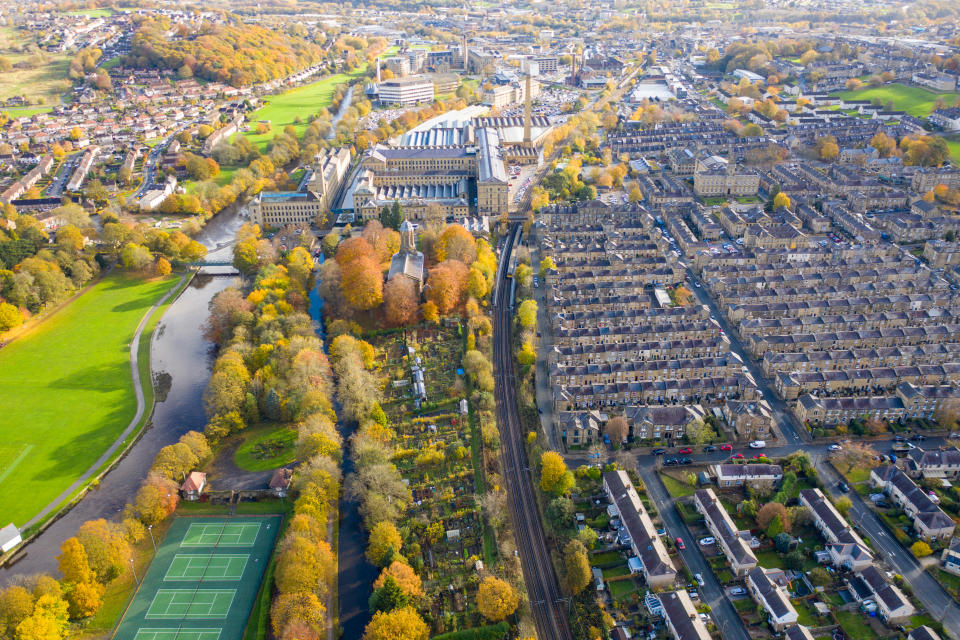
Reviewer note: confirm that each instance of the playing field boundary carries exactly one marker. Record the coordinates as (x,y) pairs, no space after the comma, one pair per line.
(196,588)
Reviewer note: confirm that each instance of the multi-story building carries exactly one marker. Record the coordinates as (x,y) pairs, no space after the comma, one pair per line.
(731,181)
(732,541)
(773,598)
(315,197)
(929,521)
(939,253)
(681,617)
(406,91)
(639,532)
(847,550)
(892,605)
(739,475)
(936,463)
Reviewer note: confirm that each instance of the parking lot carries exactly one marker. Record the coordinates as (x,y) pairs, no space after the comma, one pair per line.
(521,181)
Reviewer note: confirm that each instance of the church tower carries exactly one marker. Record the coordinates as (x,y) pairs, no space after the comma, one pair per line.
(408,238)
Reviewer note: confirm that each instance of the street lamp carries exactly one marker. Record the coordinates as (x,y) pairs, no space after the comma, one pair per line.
(150,529)
(134,569)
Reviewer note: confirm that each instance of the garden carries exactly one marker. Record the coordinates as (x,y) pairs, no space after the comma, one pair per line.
(439,454)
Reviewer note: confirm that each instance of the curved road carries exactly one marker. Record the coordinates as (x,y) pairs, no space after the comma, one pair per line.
(138,391)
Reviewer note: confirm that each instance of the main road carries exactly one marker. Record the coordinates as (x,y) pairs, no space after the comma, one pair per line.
(548,608)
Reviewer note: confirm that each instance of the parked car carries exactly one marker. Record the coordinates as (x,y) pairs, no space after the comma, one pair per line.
(658,452)
(708,541)
(686,450)
(899,439)
(686,461)
(844,487)
(670,462)
(700,579)
(738,591)
(737,456)
(726,447)
(759,456)
(680,544)
(918,436)
(758,444)
(834,447)
(709,448)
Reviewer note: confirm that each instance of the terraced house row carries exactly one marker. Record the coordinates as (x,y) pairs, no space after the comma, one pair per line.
(623,342)
(866,331)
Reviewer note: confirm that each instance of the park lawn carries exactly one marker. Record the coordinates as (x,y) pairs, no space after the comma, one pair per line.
(304,102)
(26,112)
(92,13)
(914,100)
(676,488)
(266,448)
(953,143)
(67,392)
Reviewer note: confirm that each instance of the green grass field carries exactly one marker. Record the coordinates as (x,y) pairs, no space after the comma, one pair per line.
(914,100)
(303,102)
(47,80)
(92,13)
(67,392)
(266,448)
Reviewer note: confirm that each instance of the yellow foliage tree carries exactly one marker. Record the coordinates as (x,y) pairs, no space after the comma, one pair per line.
(554,475)
(399,624)
(781,200)
(385,541)
(496,599)
(406,578)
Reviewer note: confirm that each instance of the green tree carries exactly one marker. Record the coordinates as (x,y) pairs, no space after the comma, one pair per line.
(388,597)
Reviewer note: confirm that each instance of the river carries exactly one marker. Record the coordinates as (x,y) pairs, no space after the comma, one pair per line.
(355,574)
(180,359)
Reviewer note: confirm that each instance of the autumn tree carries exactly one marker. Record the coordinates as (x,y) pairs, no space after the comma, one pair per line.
(700,432)
(16,604)
(362,283)
(948,413)
(617,428)
(73,563)
(48,621)
(298,608)
(576,566)
(856,455)
(107,549)
(554,476)
(84,599)
(385,543)
(455,243)
(772,510)
(885,145)
(400,301)
(545,265)
(527,314)
(496,599)
(305,565)
(445,285)
(157,499)
(781,200)
(399,624)
(920,549)
(405,577)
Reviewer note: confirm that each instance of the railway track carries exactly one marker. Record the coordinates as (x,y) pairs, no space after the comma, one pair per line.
(548,608)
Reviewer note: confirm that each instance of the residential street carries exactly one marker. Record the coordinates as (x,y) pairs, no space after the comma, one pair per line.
(730,625)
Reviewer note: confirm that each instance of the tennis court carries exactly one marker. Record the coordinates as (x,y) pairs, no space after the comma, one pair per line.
(178,634)
(221,534)
(190,567)
(200,585)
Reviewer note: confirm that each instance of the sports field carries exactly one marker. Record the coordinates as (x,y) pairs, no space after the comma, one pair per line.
(304,102)
(203,581)
(66,391)
(914,100)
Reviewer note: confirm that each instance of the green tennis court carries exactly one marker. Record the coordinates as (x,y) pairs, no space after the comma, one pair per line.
(199,585)
(191,603)
(178,634)
(206,567)
(221,534)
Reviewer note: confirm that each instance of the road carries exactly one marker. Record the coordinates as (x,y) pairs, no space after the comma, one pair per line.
(928,591)
(724,615)
(59,182)
(150,167)
(789,429)
(548,610)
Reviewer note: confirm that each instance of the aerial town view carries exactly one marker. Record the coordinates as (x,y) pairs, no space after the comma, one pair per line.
(483,320)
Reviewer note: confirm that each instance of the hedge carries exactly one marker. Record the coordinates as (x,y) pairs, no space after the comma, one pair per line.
(489,632)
